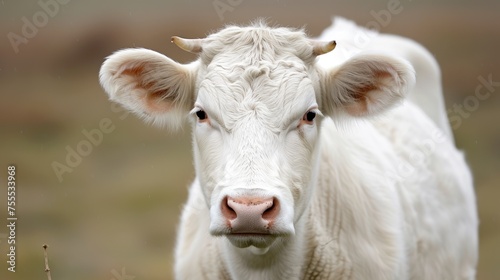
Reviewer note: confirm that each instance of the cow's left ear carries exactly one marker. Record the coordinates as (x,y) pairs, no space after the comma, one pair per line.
(150,84)
(365,85)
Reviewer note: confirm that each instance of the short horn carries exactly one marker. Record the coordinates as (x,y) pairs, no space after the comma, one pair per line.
(320,48)
(189,45)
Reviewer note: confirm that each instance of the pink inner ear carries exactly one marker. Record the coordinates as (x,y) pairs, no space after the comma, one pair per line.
(367,94)
(154,100)
(360,105)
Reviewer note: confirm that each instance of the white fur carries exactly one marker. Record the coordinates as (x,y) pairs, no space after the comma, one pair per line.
(427,92)
(365,192)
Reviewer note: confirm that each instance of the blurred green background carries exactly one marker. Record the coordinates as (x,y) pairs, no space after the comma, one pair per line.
(117,210)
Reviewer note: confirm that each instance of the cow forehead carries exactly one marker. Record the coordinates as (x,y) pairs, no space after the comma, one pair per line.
(269,93)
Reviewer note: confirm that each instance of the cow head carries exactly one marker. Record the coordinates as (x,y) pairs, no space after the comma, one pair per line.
(255,99)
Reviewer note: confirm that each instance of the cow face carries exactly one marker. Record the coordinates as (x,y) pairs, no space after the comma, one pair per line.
(255,99)
(255,133)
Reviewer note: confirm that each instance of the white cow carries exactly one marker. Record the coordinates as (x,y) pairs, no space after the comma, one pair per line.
(309,166)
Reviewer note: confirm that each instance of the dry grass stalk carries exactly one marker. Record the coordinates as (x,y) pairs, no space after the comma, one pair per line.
(47,269)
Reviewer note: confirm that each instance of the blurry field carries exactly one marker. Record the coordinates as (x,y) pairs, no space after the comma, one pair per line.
(118,208)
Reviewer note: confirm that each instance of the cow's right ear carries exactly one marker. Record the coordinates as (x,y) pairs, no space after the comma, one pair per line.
(150,84)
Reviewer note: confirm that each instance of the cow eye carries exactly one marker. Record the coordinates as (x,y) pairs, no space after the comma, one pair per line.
(309,116)
(201,115)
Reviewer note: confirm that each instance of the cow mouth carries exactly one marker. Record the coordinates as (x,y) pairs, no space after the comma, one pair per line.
(250,234)
(244,240)
(259,238)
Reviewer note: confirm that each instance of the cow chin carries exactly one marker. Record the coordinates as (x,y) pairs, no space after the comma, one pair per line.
(255,240)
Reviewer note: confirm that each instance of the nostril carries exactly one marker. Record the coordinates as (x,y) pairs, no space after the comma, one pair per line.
(272,211)
(250,214)
(227,211)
